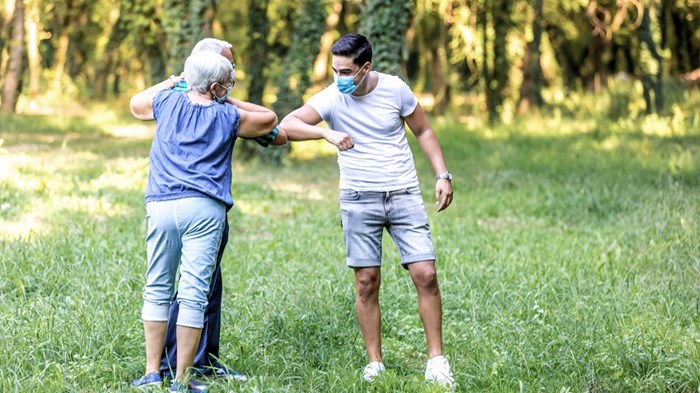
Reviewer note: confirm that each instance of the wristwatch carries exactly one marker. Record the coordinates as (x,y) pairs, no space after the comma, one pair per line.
(447,175)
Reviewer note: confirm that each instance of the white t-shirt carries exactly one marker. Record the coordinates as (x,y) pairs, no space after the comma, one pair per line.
(381,159)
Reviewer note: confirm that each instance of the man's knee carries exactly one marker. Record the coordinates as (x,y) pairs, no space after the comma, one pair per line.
(367,282)
(424,274)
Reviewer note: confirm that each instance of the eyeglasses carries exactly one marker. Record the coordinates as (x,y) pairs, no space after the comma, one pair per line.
(233,78)
(230,86)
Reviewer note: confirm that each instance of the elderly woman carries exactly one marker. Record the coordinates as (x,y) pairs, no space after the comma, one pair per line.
(187,197)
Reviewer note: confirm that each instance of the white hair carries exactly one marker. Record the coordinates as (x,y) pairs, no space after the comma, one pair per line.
(211,45)
(204,68)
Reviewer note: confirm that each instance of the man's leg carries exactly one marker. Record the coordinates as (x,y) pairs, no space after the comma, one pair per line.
(437,369)
(208,351)
(367,282)
(429,303)
(208,348)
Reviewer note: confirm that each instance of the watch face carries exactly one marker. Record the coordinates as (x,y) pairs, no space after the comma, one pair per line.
(446,175)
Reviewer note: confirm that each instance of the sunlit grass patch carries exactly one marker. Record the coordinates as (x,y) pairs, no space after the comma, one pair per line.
(43,190)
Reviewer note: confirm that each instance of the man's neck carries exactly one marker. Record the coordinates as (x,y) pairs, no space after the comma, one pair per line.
(368,84)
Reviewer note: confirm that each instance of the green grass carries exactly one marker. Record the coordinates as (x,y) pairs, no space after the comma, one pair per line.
(568,262)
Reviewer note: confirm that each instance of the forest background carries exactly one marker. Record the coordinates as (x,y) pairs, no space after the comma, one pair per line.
(463,57)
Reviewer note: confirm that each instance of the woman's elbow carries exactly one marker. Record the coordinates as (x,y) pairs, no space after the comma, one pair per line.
(139,110)
(271,120)
(134,106)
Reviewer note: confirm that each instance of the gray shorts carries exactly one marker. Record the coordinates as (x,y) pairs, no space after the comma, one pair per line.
(365,214)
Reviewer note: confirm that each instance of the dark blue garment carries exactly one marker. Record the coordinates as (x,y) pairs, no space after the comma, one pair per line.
(208,350)
(192,149)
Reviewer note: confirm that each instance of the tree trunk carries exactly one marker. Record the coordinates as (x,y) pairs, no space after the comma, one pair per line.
(13,76)
(321,64)
(600,76)
(208,18)
(531,88)
(7,12)
(33,55)
(60,60)
(441,89)
(497,84)
(569,61)
(258,31)
(384,25)
(651,60)
(107,65)
(177,24)
(488,58)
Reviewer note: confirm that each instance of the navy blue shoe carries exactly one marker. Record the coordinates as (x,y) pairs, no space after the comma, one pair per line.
(222,372)
(190,387)
(147,381)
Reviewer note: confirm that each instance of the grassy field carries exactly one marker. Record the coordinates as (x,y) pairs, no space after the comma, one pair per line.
(568,262)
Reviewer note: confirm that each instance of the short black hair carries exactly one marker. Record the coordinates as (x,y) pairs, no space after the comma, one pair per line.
(355,46)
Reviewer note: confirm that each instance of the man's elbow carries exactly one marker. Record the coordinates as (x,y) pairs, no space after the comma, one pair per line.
(281,138)
(288,124)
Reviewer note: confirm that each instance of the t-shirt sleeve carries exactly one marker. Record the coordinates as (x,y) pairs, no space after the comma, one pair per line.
(158,100)
(322,102)
(409,102)
(235,117)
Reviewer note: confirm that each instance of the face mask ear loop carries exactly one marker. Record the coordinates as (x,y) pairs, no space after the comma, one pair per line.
(212,90)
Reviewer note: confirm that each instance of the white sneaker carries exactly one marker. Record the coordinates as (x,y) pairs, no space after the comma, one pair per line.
(372,370)
(438,371)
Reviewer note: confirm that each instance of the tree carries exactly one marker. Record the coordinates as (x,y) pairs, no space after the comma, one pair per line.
(146,39)
(295,76)
(651,60)
(497,74)
(430,31)
(183,24)
(531,88)
(13,75)
(333,20)
(384,24)
(34,35)
(258,31)
(111,55)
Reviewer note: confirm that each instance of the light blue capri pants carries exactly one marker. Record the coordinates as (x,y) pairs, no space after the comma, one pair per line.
(186,233)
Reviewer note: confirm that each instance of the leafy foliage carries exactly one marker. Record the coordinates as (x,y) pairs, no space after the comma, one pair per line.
(384,23)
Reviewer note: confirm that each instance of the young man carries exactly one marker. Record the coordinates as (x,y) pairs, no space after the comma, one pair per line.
(365,111)
(207,357)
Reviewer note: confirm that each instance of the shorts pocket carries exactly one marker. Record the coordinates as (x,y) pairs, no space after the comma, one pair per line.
(415,190)
(349,195)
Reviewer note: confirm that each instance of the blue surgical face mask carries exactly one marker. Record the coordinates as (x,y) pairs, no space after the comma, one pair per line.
(346,84)
(222,99)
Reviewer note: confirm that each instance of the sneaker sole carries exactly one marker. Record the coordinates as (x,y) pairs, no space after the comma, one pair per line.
(148,386)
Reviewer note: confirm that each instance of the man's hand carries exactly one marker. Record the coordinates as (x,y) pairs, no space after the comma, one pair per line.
(443,194)
(341,140)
